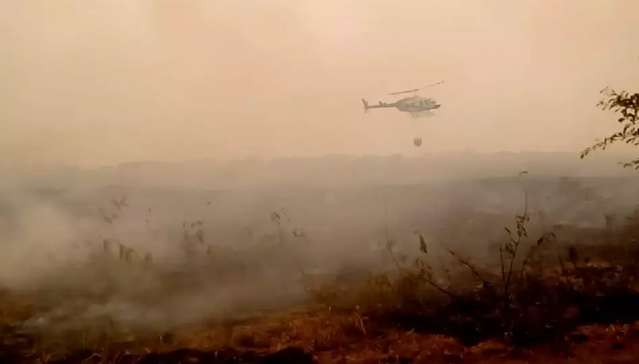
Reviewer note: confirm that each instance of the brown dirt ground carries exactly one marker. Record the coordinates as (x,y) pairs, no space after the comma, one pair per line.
(332,337)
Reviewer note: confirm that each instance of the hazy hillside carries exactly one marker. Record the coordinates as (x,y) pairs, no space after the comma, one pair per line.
(336,170)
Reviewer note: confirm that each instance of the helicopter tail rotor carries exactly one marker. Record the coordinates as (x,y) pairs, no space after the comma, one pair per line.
(365,105)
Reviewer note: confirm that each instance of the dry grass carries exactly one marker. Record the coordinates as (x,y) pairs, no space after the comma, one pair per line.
(326,335)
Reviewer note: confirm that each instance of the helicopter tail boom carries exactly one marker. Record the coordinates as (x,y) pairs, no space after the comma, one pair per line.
(379,105)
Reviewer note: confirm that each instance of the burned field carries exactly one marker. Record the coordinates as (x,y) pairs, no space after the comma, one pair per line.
(539,285)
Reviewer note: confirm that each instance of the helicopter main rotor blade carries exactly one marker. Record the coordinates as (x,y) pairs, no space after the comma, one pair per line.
(433,84)
(416,89)
(404,92)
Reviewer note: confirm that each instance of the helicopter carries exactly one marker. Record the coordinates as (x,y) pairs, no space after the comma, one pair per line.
(415,105)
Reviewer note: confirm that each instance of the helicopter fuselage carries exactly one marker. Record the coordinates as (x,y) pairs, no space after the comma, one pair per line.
(412,104)
(416,104)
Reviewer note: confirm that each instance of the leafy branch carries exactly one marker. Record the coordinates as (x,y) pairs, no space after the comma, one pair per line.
(626,105)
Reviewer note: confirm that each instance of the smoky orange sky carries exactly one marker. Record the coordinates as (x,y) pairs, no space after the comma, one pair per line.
(101,82)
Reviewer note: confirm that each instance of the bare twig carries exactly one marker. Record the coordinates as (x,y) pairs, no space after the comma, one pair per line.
(468,265)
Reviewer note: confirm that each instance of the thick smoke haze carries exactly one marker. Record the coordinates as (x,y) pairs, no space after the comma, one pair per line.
(222,240)
(165,162)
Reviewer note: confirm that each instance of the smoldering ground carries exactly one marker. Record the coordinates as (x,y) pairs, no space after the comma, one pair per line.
(138,258)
